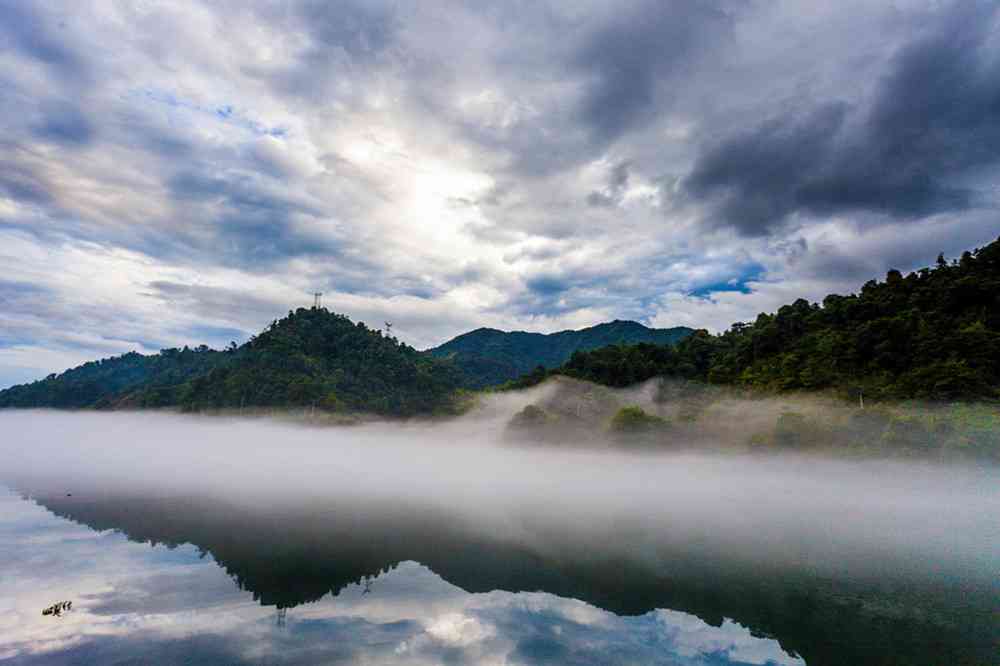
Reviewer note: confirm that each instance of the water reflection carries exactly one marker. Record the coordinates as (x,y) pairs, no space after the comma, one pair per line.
(392,583)
(171,604)
(530,554)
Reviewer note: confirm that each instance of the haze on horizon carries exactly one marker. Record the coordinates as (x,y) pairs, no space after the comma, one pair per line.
(866,518)
(185,172)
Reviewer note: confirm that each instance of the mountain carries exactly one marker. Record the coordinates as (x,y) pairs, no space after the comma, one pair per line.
(106,382)
(315,357)
(311,358)
(488,357)
(933,334)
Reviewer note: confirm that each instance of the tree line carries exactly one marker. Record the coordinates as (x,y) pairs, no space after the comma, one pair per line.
(932,334)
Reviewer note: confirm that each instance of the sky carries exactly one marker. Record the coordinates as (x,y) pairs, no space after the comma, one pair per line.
(185,172)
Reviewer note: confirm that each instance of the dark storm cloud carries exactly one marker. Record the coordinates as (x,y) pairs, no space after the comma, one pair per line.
(575,81)
(630,57)
(935,119)
(759,174)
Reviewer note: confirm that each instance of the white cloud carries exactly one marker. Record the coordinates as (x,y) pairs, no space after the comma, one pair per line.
(429,164)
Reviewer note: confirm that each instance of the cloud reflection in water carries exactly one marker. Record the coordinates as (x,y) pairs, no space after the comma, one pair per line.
(166,604)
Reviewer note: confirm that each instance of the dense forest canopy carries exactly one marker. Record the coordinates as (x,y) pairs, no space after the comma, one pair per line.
(933,334)
(318,358)
(108,382)
(488,357)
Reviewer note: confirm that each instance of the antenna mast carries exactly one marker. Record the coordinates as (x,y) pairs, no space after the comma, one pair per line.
(317,299)
(388,328)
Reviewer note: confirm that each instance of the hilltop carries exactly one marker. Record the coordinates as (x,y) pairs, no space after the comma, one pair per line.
(311,358)
(488,356)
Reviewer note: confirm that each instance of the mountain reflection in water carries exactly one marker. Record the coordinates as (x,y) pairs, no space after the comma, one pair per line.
(470,598)
(173,604)
(431,543)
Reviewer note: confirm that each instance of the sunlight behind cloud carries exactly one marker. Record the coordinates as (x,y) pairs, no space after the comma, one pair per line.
(438,147)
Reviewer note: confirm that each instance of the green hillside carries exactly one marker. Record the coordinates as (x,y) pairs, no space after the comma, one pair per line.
(489,357)
(318,358)
(311,358)
(106,382)
(933,334)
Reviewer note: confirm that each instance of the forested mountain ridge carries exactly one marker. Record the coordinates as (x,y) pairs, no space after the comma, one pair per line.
(933,334)
(105,382)
(311,358)
(317,358)
(488,356)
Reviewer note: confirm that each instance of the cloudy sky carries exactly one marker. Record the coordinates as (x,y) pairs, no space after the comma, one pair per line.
(185,172)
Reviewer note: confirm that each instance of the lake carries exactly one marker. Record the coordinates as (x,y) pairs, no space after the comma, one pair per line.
(182,540)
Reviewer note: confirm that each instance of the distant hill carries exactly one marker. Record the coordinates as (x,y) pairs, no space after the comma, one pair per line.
(488,356)
(311,358)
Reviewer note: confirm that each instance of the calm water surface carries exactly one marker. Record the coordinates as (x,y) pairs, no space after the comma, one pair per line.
(169,603)
(188,541)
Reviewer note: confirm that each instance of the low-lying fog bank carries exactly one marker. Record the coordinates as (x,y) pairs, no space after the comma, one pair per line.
(667,415)
(875,516)
(675,415)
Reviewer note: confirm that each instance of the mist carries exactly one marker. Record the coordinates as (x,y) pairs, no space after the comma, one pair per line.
(869,518)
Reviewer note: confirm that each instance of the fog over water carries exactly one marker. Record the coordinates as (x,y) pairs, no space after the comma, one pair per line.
(175,604)
(871,518)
